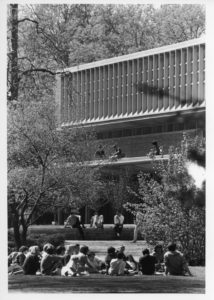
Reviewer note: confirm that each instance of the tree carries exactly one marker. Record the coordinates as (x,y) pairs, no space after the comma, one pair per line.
(173,206)
(45,164)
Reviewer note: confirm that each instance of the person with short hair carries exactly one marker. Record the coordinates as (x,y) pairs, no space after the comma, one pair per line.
(122,250)
(95,263)
(175,263)
(32,261)
(111,254)
(147,263)
(82,259)
(74,221)
(70,250)
(117,265)
(51,264)
(118,224)
(158,254)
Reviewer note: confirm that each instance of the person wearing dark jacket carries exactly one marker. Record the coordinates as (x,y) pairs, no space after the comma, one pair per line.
(175,263)
(147,263)
(32,261)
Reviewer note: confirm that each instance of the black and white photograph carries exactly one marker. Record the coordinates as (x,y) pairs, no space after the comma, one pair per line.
(105,147)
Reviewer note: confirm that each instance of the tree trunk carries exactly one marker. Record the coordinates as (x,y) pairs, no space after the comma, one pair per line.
(14,81)
(24,234)
(16,231)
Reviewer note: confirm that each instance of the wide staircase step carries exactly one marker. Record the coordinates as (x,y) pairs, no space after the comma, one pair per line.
(100,247)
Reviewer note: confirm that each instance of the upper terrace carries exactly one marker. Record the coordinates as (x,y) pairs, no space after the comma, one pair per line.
(143,85)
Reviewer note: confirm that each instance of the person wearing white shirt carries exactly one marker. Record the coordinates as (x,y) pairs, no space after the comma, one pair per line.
(95,263)
(117,265)
(118,224)
(97,221)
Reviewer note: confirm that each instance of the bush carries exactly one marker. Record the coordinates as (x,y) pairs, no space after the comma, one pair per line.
(173,207)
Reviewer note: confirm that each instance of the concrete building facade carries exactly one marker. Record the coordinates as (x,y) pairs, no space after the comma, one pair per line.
(134,99)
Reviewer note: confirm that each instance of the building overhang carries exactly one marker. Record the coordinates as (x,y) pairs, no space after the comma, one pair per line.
(134,164)
(139,119)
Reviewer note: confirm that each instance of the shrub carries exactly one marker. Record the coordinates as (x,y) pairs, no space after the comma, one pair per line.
(174,208)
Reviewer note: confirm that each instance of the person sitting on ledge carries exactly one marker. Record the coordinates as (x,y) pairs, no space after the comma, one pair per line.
(118,224)
(100,153)
(175,263)
(74,221)
(97,221)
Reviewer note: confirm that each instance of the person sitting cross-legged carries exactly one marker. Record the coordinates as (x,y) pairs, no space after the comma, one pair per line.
(96,265)
(51,264)
(147,263)
(70,250)
(175,263)
(131,265)
(15,261)
(158,254)
(122,250)
(111,254)
(72,267)
(32,261)
(117,265)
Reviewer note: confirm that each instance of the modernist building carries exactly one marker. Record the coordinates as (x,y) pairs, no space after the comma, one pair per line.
(135,99)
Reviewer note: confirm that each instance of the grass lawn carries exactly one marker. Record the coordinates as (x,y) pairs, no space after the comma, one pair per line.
(107,284)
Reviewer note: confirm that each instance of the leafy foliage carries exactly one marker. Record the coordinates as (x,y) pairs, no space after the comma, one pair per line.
(174,208)
(46,167)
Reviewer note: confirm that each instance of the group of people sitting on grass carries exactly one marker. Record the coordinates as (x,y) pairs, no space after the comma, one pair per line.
(73,260)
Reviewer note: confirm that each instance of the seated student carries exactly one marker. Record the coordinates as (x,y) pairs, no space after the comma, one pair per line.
(117,265)
(70,250)
(17,260)
(158,254)
(82,259)
(111,254)
(51,264)
(12,257)
(96,265)
(74,221)
(118,224)
(147,263)
(72,267)
(122,250)
(131,265)
(32,261)
(23,250)
(175,263)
